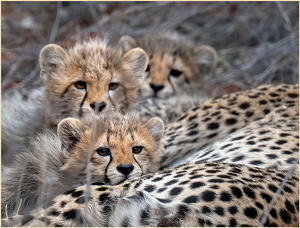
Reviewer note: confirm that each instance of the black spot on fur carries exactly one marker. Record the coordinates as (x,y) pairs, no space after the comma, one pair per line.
(233,210)
(266,197)
(212,135)
(235,113)
(208,196)
(72,214)
(219,211)
(266,111)
(182,117)
(171,182)
(238,138)
(271,156)
(236,192)
(291,160)
(161,190)
(63,203)
(262,102)
(225,146)
(289,206)
(265,139)
(182,211)
(285,216)
(259,205)
(231,121)
(149,188)
(280,142)
(190,199)
(256,162)
(191,133)
(206,210)
(255,150)
(249,192)
(273,188)
(275,148)
(184,182)
(244,105)
(225,196)
(250,212)
(213,171)
(53,213)
(101,189)
(76,194)
(238,158)
(216,180)
(103,197)
(197,184)
(273,213)
(232,222)
(293,95)
(192,118)
(176,191)
(213,126)
(195,177)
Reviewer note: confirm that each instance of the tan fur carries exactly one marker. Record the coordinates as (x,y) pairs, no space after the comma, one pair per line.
(45,170)
(201,194)
(215,119)
(97,65)
(169,51)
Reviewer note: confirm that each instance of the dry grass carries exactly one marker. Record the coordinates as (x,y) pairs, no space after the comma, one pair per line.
(257,41)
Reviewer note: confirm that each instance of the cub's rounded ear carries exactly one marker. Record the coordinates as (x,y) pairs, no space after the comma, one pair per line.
(69,131)
(136,60)
(156,128)
(50,57)
(206,58)
(127,43)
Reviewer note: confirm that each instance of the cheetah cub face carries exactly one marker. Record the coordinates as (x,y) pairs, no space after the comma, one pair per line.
(90,77)
(120,147)
(175,64)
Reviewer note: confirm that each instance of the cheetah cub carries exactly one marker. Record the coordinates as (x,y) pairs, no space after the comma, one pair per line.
(118,147)
(175,66)
(91,76)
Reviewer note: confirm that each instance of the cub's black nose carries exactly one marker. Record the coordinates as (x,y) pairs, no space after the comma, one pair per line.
(125,169)
(156,88)
(98,106)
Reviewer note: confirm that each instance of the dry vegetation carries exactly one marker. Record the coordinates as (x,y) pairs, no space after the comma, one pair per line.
(258,42)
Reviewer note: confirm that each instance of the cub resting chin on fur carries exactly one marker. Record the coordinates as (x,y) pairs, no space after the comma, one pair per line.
(118,147)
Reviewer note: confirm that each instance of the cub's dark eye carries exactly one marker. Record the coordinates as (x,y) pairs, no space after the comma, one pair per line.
(80,85)
(148,68)
(137,149)
(113,85)
(103,151)
(175,73)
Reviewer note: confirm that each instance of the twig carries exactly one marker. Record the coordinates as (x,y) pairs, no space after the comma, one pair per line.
(285,17)
(277,193)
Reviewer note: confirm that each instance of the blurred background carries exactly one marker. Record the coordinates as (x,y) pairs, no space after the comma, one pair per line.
(257,42)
